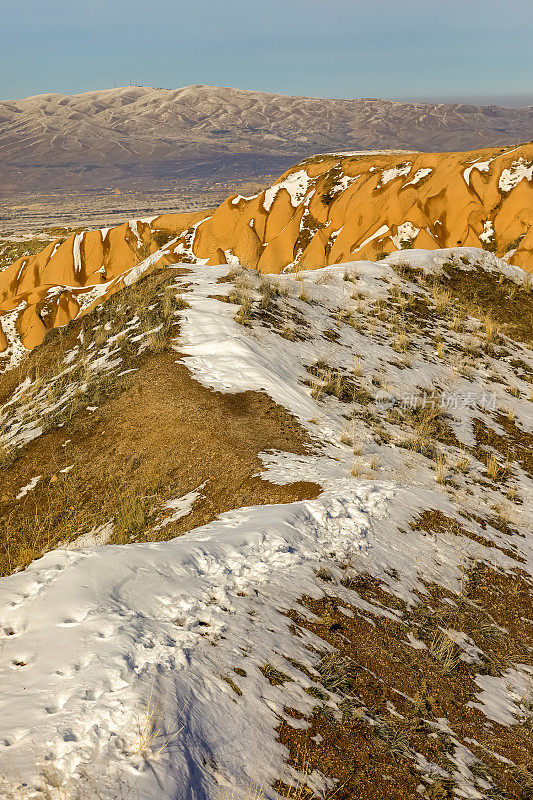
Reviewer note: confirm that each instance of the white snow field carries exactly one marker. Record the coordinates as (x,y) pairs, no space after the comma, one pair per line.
(113,659)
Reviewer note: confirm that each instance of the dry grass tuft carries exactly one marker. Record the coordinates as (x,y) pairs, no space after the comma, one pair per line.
(462,464)
(395,739)
(243,298)
(304,295)
(8,454)
(441,469)
(491,330)
(442,299)
(132,516)
(346,437)
(268,291)
(251,792)
(401,344)
(427,422)
(151,739)
(335,672)
(324,574)
(512,494)
(289,333)
(332,383)
(274,675)
(495,471)
(357,469)
(352,275)
(444,651)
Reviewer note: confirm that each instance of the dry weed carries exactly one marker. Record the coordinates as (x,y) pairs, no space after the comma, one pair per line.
(441,469)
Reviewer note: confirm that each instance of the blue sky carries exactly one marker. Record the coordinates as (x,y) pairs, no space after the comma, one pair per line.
(479,50)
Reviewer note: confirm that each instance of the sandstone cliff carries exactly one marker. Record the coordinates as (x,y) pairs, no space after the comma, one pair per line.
(332,209)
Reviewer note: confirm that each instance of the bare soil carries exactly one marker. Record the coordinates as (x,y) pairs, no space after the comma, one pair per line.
(395,695)
(162,433)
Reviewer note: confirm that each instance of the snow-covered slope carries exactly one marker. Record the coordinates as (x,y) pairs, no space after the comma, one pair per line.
(139,670)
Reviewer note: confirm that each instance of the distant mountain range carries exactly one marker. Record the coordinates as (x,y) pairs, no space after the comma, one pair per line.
(142,137)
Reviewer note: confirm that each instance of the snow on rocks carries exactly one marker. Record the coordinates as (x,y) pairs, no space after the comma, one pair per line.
(84,296)
(389,175)
(488,232)
(382,231)
(345,182)
(517,172)
(237,199)
(133,225)
(481,166)
(15,351)
(76,252)
(406,233)
(296,184)
(420,174)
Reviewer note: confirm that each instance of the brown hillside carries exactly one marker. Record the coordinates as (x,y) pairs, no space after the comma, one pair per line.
(329,209)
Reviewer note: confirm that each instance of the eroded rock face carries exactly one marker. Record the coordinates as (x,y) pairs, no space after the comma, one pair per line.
(332,209)
(327,210)
(70,276)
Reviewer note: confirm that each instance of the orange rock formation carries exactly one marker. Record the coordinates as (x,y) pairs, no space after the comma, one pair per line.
(327,210)
(331,209)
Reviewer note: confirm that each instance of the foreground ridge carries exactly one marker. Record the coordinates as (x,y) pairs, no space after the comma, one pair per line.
(367,635)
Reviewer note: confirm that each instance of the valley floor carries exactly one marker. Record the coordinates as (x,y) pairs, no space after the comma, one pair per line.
(39,210)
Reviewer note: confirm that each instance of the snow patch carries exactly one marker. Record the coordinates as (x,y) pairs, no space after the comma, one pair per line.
(296,184)
(517,172)
(29,487)
(488,232)
(395,172)
(381,232)
(180,506)
(502,697)
(406,233)
(482,166)
(76,252)
(419,175)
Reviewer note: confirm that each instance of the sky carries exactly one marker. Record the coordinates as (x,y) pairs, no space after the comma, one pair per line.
(477,51)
